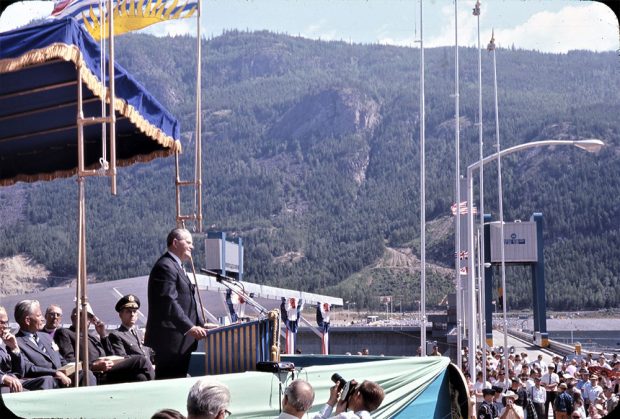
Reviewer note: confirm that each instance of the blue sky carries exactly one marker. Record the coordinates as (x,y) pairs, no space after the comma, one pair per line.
(545,25)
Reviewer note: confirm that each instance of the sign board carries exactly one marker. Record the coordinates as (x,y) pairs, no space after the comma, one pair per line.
(222,255)
(520,242)
(386,299)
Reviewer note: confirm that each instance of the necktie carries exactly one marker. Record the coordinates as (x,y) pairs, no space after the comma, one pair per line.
(192,286)
(135,334)
(39,343)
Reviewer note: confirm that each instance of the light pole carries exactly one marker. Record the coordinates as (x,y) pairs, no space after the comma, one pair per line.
(590,145)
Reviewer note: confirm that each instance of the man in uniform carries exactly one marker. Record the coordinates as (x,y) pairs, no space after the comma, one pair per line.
(486,409)
(125,340)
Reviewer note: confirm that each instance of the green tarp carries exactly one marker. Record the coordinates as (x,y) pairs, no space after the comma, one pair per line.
(254,394)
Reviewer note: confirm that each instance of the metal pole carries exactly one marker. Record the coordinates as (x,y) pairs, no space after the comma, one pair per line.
(112,99)
(470,278)
(500,210)
(481,205)
(422,195)
(198,173)
(457,170)
(81,295)
(480,294)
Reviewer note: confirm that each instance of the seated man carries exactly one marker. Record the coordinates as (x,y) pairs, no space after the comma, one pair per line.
(359,403)
(13,365)
(298,399)
(53,318)
(108,371)
(36,347)
(208,400)
(125,340)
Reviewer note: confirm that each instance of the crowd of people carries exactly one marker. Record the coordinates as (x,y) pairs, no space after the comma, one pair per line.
(560,387)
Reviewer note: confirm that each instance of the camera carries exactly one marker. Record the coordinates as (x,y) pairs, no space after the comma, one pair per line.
(347,387)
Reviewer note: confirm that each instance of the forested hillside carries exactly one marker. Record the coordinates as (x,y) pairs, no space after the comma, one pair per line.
(311,154)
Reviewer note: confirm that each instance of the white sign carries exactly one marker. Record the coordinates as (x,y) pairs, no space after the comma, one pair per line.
(520,242)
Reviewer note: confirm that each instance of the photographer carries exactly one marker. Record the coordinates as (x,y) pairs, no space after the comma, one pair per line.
(358,402)
(512,410)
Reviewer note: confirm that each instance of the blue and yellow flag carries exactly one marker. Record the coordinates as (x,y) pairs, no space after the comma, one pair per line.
(129,15)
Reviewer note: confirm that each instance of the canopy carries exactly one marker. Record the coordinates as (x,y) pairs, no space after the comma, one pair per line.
(420,387)
(39,105)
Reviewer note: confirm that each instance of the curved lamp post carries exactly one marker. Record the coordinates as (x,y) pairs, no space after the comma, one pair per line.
(590,145)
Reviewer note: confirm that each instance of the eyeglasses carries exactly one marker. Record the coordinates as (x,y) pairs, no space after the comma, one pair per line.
(4,322)
(54,314)
(227,413)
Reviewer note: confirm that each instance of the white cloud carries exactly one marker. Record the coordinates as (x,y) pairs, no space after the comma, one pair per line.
(320,30)
(403,42)
(21,13)
(593,27)
(467,28)
(173,28)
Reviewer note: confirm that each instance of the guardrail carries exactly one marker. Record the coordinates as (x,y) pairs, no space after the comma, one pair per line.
(554,346)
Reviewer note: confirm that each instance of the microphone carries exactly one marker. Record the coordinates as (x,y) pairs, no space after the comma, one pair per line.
(218,276)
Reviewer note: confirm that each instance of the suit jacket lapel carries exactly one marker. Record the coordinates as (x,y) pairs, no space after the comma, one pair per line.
(185,277)
(34,346)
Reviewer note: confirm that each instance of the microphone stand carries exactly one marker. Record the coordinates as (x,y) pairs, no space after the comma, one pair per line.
(202,309)
(234,285)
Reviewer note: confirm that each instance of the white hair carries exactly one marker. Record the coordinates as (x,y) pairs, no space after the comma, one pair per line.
(23,309)
(207,398)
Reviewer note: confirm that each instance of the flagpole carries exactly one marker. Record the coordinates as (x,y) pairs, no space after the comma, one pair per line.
(500,193)
(457,235)
(422,196)
(481,207)
(198,137)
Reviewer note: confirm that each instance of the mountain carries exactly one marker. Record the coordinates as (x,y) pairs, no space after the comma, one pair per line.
(311,154)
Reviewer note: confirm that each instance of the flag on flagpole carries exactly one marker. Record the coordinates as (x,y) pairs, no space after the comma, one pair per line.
(462,209)
(463,270)
(464,254)
(129,15)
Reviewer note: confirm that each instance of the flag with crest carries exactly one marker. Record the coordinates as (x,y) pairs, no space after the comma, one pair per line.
(129,15)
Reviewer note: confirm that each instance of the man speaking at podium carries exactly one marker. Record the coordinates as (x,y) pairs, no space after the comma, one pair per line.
(173,325)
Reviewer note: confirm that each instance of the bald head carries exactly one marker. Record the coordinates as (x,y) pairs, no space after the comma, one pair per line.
(298,398)
(179,242)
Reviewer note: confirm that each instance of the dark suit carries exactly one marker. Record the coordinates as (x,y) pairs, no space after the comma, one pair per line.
(124,342)
(133,368)
(15,365)
(65,339)
(40,363)
(172,313)
(44,363)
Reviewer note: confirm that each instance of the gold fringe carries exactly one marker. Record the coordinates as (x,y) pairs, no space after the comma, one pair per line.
(61,174)
(73,54)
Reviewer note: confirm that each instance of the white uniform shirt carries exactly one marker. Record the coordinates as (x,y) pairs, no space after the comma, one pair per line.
(539,395)
(551,379)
